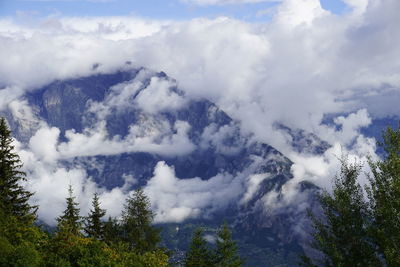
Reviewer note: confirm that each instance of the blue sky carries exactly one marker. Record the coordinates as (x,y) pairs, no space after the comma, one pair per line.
(155,9)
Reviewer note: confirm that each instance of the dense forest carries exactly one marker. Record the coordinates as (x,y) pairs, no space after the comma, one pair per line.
(353,228)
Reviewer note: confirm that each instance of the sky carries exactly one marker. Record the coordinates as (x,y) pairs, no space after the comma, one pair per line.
(252,11)
(293,62)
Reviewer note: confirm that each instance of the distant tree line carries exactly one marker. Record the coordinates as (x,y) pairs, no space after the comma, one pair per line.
(357,228)
(131,240)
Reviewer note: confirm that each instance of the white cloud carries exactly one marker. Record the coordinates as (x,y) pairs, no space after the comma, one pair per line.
(44,144)
(216,137)
(177,199)
(67,47)
(297,12)
(253,185)
(49,179)
(150,136)
(122,96)
(110,28)
(158,97)
(225,2)
(8,95)
(321,169)
(26,119)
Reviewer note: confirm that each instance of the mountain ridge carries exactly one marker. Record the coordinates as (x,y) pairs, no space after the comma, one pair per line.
(192,139)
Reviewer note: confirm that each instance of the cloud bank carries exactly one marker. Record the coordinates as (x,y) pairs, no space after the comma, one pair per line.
(177,199)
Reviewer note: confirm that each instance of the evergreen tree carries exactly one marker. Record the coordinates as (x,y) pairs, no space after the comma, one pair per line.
(13,197)
(199,255)
(226,251)
(384,196)
(137,218)
(94,226)
(70,222)
(341,235)
(20,239)
(111,230)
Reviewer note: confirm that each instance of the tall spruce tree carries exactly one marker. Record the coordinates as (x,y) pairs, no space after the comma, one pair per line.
(137,219)
(199,254)
(384,196)
(70,221)
(341,234)
(94,226)
(226,254)
(13,197)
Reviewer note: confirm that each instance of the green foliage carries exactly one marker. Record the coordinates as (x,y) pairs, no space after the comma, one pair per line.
(71,248)
(19,239)
(83,251)
(384,196)
(199,254)
(112,231)
(70,222)
(341,235)
(13,197)
(226,254)
(25,254)
(94,226)
(137,218)
(76,250)
(20,244)
(155,258)
(104,245)
(6,249)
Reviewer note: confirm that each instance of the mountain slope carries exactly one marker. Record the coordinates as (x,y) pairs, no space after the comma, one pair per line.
(136,128)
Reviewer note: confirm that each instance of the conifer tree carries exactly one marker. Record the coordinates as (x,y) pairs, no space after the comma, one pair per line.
(111,230)
(70,222)
(19,238)
(384,196)
(13,197)
(341,234)
(198,255)
(226,254)
(94,226)
(137,218)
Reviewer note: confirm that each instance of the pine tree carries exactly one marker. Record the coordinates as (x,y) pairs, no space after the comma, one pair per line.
(70,222)
(137,218)
(94,226)
(384,196)
(226,251)
(198,255)
(341,235)
(13,197)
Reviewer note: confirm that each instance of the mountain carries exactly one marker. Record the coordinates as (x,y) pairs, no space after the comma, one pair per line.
(124,127)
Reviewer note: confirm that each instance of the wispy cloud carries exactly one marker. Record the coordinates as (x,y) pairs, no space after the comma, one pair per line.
(225,2)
